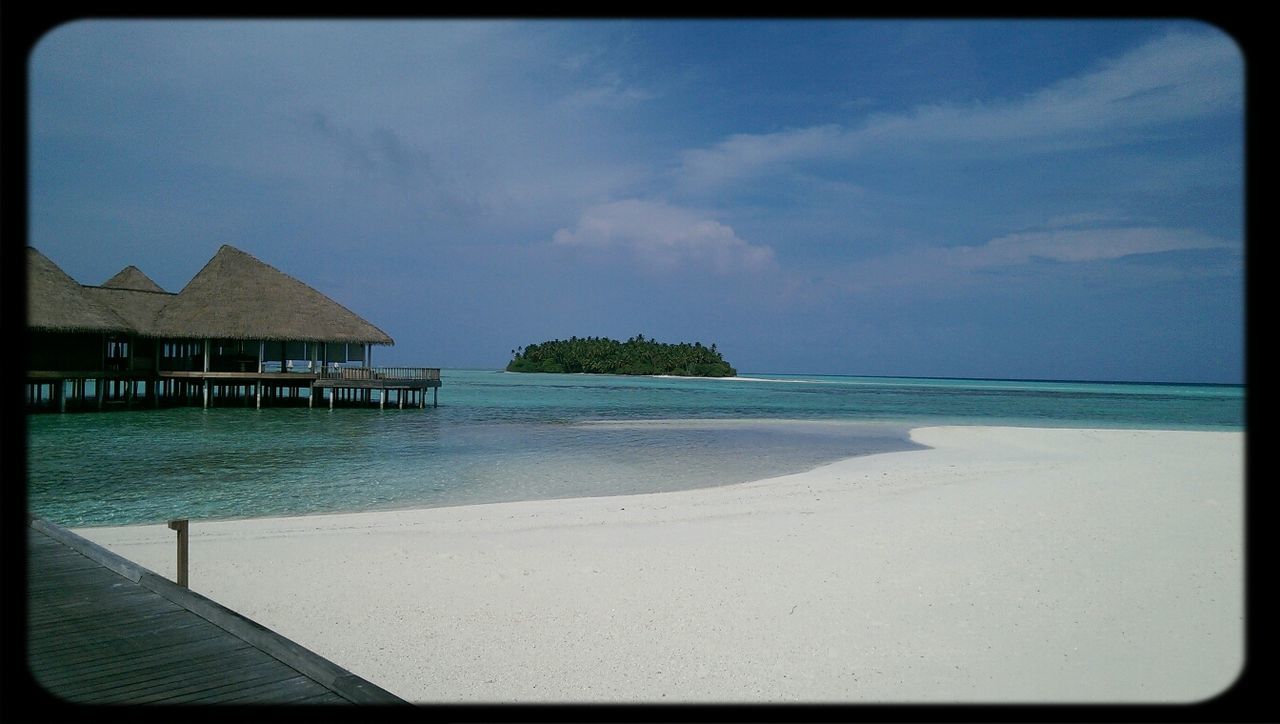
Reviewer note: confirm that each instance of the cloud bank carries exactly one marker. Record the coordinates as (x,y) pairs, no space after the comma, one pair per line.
(664,237)
(1177,77)
(1079,245)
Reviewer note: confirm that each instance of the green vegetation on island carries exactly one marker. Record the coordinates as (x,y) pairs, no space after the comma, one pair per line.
(636,356)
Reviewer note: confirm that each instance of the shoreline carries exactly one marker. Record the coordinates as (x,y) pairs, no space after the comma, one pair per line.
(999,564)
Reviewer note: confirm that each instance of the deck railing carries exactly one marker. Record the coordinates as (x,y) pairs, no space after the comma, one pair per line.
(379,373)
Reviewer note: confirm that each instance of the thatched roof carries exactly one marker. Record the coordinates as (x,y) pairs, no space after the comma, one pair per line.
(236,296)
(138,308)
(57,303)
(131,277)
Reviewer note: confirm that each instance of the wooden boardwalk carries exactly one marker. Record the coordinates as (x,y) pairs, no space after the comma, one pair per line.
(101,629)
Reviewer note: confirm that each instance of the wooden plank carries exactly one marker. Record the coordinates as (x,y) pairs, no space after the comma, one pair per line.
(265,672)
(119,564)
(169,673)
(81,685)
(114,670)
(103,598)
(327,698)
(281,692)
(84,622)
(174,653)
(103,629)
(64,556)
(81,648)
(89,590)
(162,687)
(318,668)
(87,617)
(128,636)
(71,583)
(126,649)
(285,694)
(53,642)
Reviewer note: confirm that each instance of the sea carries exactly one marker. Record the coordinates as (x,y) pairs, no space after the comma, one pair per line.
(499,436)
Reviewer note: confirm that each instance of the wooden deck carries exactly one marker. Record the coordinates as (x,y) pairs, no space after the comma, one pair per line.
(101,629)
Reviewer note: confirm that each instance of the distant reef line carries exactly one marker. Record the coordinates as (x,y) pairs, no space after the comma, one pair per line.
(636,356)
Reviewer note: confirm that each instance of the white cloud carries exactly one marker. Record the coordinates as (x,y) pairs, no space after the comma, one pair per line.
(665,237)
(610,93)
(937,270)
(1083,219)
(745,153)
(1176,77)
(1078,245)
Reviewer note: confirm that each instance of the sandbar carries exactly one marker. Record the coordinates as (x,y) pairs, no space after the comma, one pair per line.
(1001,564)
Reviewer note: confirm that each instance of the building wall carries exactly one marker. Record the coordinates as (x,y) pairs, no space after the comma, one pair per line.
(65,351)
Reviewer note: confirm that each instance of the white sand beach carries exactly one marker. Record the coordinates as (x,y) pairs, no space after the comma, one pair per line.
(1001,565)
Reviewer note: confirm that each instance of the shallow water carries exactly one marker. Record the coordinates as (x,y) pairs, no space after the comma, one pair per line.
(501,436)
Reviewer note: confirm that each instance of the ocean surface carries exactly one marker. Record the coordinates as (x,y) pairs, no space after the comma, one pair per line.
(499,436)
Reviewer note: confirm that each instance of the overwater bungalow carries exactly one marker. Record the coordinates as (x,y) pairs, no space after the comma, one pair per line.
(241,332)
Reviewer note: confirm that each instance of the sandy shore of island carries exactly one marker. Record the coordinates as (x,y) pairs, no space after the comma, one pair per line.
(1001,565)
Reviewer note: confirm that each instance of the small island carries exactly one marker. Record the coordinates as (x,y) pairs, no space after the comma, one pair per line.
(636,356)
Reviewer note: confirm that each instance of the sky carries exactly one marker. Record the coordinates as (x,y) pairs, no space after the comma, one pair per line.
(1050,199)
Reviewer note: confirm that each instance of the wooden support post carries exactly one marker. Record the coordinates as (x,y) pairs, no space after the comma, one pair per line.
(332,393)
(382,398)
(435,399)
(98,391)
(181,527)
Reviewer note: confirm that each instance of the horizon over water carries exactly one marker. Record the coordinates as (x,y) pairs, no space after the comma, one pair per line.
(500,436)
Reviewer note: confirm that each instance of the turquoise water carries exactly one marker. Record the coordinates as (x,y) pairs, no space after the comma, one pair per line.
(500,436)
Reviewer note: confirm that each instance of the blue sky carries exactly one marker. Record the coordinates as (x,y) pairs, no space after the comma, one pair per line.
(1018,199)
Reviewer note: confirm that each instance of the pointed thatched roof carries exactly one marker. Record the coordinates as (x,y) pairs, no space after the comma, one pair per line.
(57,303)
(131,277)
(138,308)
(236,296)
